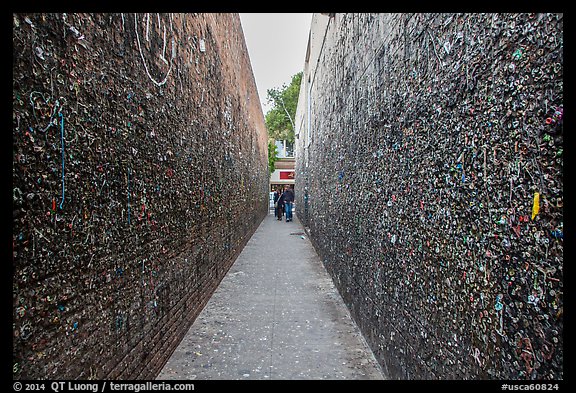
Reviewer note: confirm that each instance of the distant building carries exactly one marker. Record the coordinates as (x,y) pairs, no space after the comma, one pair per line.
(284,172)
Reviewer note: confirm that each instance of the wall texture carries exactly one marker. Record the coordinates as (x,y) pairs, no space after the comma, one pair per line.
(139,173)
(430,175)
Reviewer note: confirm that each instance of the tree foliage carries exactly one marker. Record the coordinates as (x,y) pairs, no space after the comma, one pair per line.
(272,151)
(280,119)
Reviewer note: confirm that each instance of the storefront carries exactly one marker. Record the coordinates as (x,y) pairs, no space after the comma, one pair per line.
(284,173)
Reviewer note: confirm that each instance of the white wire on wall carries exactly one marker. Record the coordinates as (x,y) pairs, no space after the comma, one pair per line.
(142,55)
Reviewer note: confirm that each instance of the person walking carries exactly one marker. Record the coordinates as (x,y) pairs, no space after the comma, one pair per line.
(288,202)
(280,208)
(276,206)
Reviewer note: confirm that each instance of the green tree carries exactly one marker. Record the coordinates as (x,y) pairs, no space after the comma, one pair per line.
(280,119)
(272,151)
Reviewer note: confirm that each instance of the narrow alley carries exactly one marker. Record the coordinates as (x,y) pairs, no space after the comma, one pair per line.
(425,154)
(275,315)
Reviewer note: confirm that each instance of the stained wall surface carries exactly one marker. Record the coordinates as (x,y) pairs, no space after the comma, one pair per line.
(139,173)
(429,171)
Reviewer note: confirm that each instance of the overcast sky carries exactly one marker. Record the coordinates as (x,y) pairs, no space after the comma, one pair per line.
(277,48)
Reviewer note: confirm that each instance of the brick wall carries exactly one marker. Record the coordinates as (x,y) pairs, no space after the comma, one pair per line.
(139,173)
(425,144)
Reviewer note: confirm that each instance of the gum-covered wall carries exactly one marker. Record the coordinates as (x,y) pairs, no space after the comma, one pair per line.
(429,171)
(139,173)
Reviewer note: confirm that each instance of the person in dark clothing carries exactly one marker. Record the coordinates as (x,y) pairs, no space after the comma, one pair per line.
(288,202)
(276,207)
(280,208)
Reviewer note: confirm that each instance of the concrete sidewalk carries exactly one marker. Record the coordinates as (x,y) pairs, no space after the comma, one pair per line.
(275,315)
